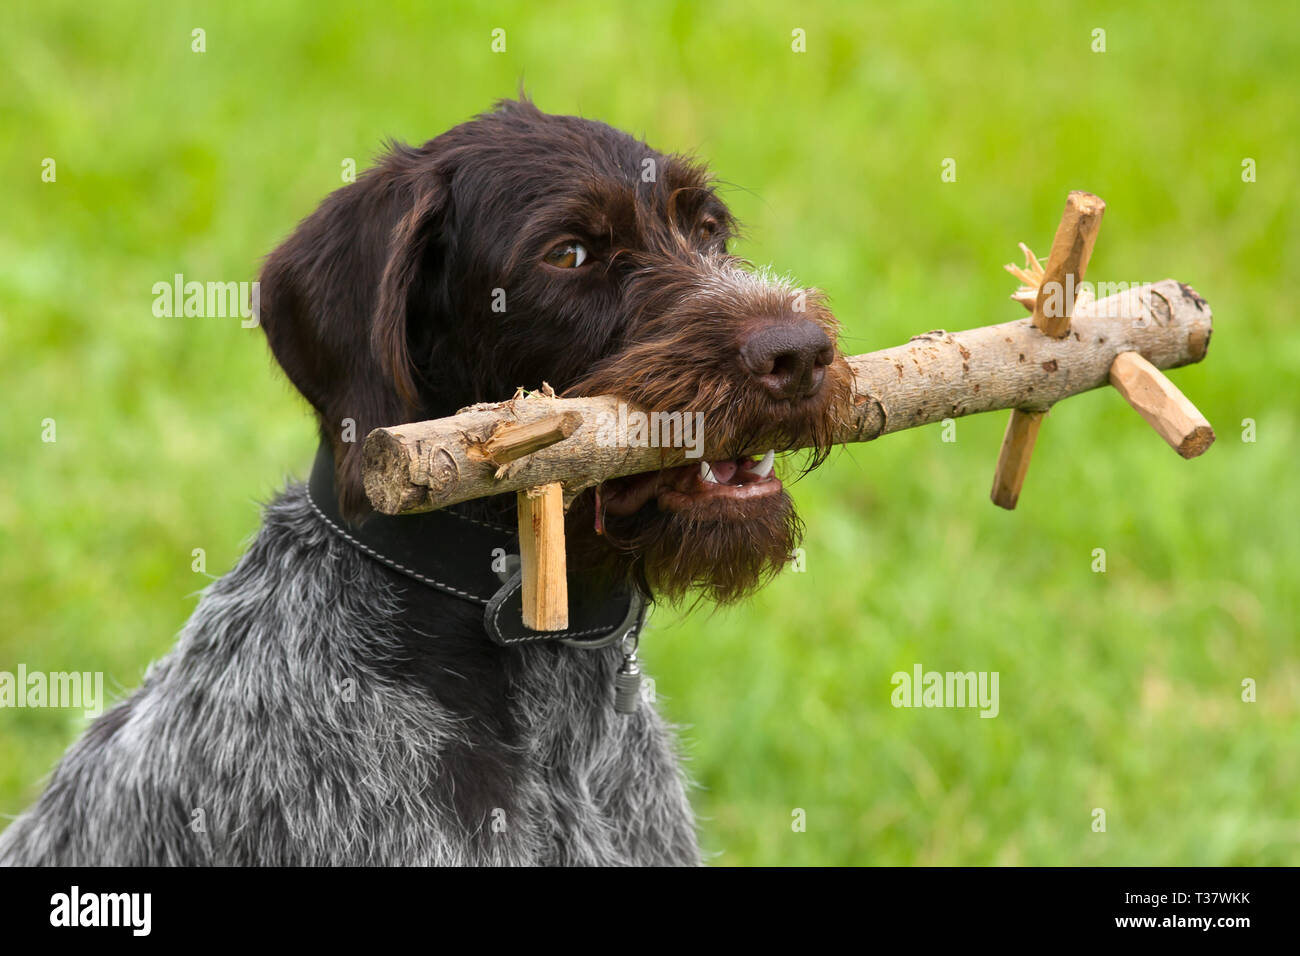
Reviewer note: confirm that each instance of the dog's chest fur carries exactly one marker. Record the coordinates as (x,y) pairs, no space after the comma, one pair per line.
(320,710)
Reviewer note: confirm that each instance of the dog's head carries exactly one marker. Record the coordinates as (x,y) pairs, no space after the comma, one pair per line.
(522,248)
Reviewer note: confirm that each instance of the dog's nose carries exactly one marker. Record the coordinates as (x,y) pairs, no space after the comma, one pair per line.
(788,358)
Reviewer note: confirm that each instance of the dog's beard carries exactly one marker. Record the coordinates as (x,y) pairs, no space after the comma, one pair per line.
(716,529)
(718,551)
(715,549)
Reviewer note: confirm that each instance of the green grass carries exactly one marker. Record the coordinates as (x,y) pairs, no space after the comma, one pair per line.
(1119,690)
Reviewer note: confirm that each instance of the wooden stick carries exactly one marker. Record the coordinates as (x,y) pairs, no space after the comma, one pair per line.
(427,465)
(513,440)
(1159,401)
(1067,262)
(542,558)
(1013,459)
(1053,309)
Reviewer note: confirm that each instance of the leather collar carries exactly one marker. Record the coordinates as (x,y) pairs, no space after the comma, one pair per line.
(476,561)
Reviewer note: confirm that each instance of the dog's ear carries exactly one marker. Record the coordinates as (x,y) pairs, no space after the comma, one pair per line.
(408,251)
(335,299)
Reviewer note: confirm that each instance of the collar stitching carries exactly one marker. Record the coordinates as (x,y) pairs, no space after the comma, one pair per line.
(483,524)
(389,561)
(544,635)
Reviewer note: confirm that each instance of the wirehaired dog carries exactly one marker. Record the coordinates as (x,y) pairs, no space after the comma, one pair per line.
(342,696)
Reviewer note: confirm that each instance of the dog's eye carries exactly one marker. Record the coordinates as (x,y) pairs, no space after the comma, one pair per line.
(707,230)
(567,255)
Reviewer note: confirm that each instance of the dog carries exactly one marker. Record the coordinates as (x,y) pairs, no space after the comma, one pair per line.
(359,689)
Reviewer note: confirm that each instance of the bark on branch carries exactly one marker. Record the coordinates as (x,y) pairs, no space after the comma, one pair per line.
(427,465)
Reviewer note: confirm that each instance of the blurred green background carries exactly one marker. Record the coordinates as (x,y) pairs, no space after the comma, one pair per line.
(1119,690)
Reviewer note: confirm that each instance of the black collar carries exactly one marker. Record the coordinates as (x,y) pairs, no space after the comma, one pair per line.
(470,559)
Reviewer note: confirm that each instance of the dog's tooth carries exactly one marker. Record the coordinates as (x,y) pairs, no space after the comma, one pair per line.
(764,467)
(707,473)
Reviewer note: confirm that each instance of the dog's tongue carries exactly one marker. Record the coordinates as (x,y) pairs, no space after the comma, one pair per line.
(724,471)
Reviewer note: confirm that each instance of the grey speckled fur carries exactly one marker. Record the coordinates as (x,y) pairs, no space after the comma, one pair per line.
(242,747)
